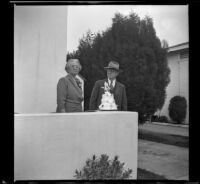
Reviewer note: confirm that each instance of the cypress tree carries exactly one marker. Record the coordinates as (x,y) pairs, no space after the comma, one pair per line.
(133,43)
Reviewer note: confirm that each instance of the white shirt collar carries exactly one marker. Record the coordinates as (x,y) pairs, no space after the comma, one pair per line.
(109,81)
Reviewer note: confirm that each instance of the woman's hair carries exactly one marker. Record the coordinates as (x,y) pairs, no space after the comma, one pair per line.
(69,63)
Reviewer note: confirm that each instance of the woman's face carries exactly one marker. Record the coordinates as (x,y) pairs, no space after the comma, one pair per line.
(74,68)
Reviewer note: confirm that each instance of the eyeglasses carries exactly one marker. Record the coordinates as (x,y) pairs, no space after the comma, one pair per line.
(75,66)
(111,70)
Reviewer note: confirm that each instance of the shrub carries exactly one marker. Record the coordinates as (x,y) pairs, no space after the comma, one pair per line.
(163,119)
(177,109)
(154,118)
(102,168)
(143,118)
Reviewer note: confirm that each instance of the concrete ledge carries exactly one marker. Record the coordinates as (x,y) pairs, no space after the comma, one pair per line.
(52,146)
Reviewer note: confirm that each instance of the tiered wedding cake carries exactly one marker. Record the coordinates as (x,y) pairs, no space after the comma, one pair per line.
(107,101)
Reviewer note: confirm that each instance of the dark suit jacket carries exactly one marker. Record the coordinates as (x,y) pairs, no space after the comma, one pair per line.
(69,95)
(119,95)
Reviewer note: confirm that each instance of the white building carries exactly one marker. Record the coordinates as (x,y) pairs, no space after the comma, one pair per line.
(40,48)
(178,61)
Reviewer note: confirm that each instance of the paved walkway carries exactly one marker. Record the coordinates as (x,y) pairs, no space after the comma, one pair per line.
(166,129)
(169,161)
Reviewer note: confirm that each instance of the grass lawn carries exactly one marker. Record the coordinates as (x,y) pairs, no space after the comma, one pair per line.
(176,140)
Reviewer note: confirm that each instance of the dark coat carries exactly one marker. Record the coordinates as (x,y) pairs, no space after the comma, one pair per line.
(69,95)
(119,95)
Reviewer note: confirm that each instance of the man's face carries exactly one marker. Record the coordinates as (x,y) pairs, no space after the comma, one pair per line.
(112,74)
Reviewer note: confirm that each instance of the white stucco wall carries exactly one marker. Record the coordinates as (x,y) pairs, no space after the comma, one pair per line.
(179,82)
(53,146)
(40,47)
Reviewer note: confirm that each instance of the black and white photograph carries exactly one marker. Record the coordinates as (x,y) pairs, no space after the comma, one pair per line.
(101,92)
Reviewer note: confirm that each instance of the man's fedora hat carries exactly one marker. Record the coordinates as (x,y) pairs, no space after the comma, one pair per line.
(113,65)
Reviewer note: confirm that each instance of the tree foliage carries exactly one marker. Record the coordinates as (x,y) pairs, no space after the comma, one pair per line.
(133,43)
(165,44)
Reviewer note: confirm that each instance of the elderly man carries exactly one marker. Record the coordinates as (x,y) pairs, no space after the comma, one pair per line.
(117,88)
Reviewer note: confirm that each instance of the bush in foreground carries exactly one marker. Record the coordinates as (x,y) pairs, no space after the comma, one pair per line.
(103,168)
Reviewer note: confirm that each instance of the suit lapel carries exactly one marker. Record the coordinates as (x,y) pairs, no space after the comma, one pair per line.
(105,80)
(101,90)
(75,85)
(116,87)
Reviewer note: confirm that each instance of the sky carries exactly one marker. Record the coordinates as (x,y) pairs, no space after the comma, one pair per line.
(170,21)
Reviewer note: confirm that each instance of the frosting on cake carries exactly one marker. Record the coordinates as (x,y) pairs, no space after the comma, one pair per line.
(107,100)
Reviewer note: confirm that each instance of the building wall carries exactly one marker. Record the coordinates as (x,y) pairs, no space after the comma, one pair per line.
(179,82)
(53,146)
(40,46)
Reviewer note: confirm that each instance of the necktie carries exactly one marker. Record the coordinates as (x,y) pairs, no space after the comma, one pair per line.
(111,86)
(78,82)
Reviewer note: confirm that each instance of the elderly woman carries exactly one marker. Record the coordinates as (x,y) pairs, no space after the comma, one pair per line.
(69,92)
